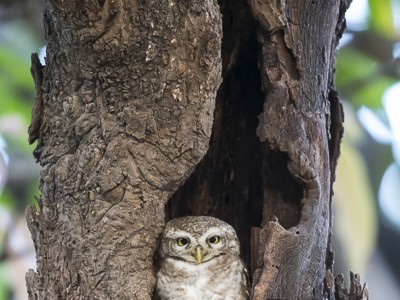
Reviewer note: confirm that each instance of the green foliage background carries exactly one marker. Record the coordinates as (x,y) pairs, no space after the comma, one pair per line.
(367,66)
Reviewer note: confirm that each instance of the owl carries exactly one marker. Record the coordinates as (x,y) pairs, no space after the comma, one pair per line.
(199,260)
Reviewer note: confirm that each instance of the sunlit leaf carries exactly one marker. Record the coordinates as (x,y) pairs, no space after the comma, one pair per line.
(381,17)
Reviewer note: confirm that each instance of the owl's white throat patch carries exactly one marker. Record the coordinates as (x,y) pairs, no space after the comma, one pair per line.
(198,274)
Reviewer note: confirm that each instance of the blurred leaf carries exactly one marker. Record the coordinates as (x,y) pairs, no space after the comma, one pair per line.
(358,79)
(381,17)
(7,200)
(11,103)
(4,286)
(355,216)
(17,68)
(371,93)
(355,135)
(17,93)
(16,85)
(3,237)
(18,141)
(352,66)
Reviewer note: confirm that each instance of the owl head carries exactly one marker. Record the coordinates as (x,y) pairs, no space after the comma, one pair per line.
(198,239)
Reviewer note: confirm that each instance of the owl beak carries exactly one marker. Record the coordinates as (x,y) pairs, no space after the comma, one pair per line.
(198,254)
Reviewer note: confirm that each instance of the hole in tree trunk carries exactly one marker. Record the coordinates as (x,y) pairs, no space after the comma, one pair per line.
(282,193)
(227,183)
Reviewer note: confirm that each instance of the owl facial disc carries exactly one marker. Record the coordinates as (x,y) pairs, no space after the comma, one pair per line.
(200,259)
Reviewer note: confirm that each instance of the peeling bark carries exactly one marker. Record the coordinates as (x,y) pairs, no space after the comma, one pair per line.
(298,49)
(278,64)
(357,291)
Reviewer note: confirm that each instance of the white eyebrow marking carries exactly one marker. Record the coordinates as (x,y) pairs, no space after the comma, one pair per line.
(178,233)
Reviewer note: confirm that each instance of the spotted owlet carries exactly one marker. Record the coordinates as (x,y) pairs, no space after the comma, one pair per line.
(200,261)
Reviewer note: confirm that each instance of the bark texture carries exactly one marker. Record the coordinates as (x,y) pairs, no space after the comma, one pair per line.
(123,113)
(227,183)
(357,291)
(298,41)
(298,45)
(273,176)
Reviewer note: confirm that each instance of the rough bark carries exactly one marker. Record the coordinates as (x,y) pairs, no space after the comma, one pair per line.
(299,41)
(227,182)
(123,113)
(357,291)
(278,63)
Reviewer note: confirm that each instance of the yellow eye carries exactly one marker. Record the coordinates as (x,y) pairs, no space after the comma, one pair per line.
(182,241)
(214,239)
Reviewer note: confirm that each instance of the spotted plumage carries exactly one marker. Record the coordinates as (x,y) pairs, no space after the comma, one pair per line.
(200,261)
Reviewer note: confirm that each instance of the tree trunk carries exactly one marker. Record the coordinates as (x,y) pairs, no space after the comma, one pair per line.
(123,115)
(274,177)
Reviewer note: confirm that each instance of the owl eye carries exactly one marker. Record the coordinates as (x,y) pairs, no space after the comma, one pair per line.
(182,241)
(215,239)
